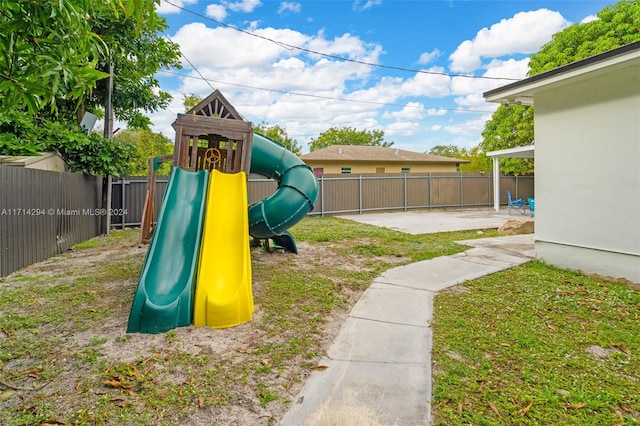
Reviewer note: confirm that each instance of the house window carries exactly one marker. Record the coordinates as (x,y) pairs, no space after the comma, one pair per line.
(406,170)
(345,170)
(318,171)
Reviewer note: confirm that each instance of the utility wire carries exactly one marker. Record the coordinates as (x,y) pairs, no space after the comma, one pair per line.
(327,55)
(309,95)
(191,63)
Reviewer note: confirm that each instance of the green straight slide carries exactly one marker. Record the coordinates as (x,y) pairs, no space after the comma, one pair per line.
(165,295)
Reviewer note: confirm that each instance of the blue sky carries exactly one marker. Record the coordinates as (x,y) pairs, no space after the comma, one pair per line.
(311,65)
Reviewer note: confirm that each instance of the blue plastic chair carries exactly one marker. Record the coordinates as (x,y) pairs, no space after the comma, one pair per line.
(518,204)
(532,206)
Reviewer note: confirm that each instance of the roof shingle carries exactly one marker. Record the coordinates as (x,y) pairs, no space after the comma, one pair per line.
(355,153)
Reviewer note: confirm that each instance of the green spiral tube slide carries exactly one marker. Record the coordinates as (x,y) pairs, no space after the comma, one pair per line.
(296,194)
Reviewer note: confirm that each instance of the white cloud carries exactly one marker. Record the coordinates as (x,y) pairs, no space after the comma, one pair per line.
(165,8)
(411,111)
(359,6)
(401,128)
(524,33)
(589,18)
(246,6)
(287,6)
(216,11)
(438,112)
(427,57)
(430,85)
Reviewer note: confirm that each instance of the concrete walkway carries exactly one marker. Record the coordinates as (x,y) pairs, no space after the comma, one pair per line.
(379,367)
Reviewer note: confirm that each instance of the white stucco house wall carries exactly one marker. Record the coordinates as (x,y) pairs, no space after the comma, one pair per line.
(587,161)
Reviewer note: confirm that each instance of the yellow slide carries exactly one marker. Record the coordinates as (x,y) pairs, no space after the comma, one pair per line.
(224,296)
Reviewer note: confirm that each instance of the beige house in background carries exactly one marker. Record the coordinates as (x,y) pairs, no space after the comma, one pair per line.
(358,159)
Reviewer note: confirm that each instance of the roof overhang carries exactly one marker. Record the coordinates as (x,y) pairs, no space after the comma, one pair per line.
(517,152)
(522,92)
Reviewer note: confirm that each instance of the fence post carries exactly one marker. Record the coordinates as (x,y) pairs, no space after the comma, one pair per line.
(430,190)
(360,194)
(321,195)
(122,217)
(406,196)
(461,190)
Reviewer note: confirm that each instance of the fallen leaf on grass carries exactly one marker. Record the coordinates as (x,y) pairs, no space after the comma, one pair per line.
(51,422)
(35,373)
(290,382)
(504,344)
(493,408)
(120,402)
(552,327)
(620,348)
(214,399)
(243,350)
(115,382)
(574,406)
(6,395)
(446,401)
(526,409)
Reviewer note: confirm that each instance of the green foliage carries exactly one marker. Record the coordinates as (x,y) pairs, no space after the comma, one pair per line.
(48,52)
(479,162)
(617,25)
(190,100)
(16,135)
(137,51)
(53,55)
(92,154)
(279,134)
(348,136)
(510,126)
(21,134)
(146,145)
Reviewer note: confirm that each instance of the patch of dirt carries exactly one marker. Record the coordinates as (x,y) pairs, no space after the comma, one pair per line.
(231,345)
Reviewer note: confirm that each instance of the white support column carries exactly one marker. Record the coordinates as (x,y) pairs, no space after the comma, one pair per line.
(496,184)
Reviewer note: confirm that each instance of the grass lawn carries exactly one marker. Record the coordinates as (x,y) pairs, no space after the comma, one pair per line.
(537,345)
(532,345)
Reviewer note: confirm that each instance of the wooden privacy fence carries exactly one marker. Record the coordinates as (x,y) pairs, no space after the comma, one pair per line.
(351,194)
(44,213)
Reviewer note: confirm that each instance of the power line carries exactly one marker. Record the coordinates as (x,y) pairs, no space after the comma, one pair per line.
(327,55)
(309,95)
(191,63)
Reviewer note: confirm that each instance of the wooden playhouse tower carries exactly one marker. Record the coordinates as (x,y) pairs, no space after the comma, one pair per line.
(211,135)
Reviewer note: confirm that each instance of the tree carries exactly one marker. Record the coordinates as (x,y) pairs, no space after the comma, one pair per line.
(510,126)
(21,134)
(190,100)
(137,51)
(50,52)
(478,161)
(278,134)
(616,26)
(451,151)
(147,145)
(348,136)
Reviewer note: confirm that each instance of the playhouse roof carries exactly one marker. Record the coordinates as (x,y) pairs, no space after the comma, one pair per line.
(215,105)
